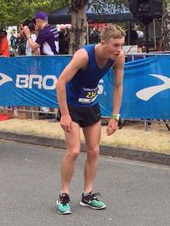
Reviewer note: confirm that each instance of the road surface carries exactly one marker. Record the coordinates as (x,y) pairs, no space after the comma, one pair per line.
(136,193)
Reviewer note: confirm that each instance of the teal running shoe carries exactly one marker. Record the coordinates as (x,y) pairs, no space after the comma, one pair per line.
(91,200)
(62,204)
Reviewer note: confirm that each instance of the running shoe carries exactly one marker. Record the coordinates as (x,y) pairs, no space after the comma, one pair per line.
(91,200)
(62,204)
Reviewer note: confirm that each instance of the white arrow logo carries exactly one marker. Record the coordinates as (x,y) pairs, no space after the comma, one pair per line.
(4,79)
(147,93)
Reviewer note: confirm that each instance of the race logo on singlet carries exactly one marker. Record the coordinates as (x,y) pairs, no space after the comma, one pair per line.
(88,95)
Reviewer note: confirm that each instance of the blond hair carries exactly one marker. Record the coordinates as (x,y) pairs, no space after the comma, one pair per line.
(112,31)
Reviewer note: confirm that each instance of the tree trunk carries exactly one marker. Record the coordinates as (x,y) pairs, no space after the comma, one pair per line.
(166,28)
(79,29)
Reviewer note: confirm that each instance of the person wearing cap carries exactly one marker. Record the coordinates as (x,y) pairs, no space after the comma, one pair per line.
(47,40)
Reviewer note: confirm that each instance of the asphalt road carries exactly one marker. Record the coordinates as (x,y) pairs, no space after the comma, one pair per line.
(136,193)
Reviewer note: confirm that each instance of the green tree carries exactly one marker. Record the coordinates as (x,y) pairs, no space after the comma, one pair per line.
(14,12)
(79,20)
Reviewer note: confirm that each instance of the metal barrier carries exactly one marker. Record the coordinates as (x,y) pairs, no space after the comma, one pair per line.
(28,112)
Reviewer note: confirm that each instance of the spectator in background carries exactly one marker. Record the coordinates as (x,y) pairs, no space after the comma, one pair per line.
(46,43)
(21,44)
(131,36)
(33,33)
(13,42)
(63,42)
(94,35)
(4,46)
(48,37)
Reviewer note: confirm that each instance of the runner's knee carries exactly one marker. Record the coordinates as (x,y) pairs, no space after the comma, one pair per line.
(93,151)
(74,153)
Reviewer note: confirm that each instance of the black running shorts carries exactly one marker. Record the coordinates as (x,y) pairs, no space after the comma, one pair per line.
(84,116)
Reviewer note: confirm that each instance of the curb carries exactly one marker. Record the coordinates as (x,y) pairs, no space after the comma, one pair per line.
(119,152)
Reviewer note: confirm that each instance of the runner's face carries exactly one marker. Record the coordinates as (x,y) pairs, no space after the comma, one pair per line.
(114,46)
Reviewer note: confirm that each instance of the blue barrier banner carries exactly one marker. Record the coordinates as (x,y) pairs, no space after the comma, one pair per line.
(147,88)
(30,81)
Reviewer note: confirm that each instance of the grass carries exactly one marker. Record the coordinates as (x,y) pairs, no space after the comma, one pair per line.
(132,135)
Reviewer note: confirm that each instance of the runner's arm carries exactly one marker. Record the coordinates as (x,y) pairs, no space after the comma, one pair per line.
(117,92)
(118,83)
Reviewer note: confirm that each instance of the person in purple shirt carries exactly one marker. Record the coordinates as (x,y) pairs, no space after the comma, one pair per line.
(47,42)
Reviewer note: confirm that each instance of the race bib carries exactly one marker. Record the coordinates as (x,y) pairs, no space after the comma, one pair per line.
(88,95)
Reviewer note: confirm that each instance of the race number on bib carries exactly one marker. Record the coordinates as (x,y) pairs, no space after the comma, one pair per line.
(88,95)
